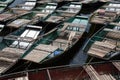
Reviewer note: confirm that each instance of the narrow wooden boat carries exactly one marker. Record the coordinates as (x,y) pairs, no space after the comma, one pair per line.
(57,43)
(40,13)
(13,13)
(4,4)
(107,13)
(54,44)
(94,71)
(17,43)
(41,10)
(105,44)
(16,12)
(65,12)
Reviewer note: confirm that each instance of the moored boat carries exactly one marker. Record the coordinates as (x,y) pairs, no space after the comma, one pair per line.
(41,11)
(65,12)
(54,44)
(13,13)
(57,43)
(106,14)
(94,71)
(17,43)
(105,43)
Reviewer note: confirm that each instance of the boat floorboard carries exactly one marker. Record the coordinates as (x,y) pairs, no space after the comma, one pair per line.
(94,75)
(117,65)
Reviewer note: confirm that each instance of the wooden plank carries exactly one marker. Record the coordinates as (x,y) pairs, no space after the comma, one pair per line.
(107,77)
(95,76)
(68,7)
(71,36)
(105,44)
(111,30)
(67,11)
(34,26)
(4,55)
(18,38)
(44,8)
(41,15)
(116,7)
(100,49)
(55,19)
(18,23)
(45,47)
(60,43)
(115,24)
(36,56)
(113,35)
(67,14)
(117,65)
(92,72)
(97,52)
(14,50)
(5,16)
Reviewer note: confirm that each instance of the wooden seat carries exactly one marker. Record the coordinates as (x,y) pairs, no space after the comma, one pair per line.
(41,15)
(112,7)
(100,49)
(48,48)
(14,50)
(8,55)
(67,14)
(3,17)
(40,52)
(105,44)
(18,23)
(55,19)
(113,35)
(97,52)
(20,39)
(36,56)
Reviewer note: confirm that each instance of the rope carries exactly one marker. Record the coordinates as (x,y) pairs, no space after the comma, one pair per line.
(83,69)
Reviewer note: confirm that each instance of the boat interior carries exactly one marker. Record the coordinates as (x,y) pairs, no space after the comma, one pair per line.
(107,44)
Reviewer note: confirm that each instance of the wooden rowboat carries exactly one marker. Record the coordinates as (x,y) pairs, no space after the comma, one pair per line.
(56,43)
(105,44)
(17,43)
(95,71)
(41,11)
